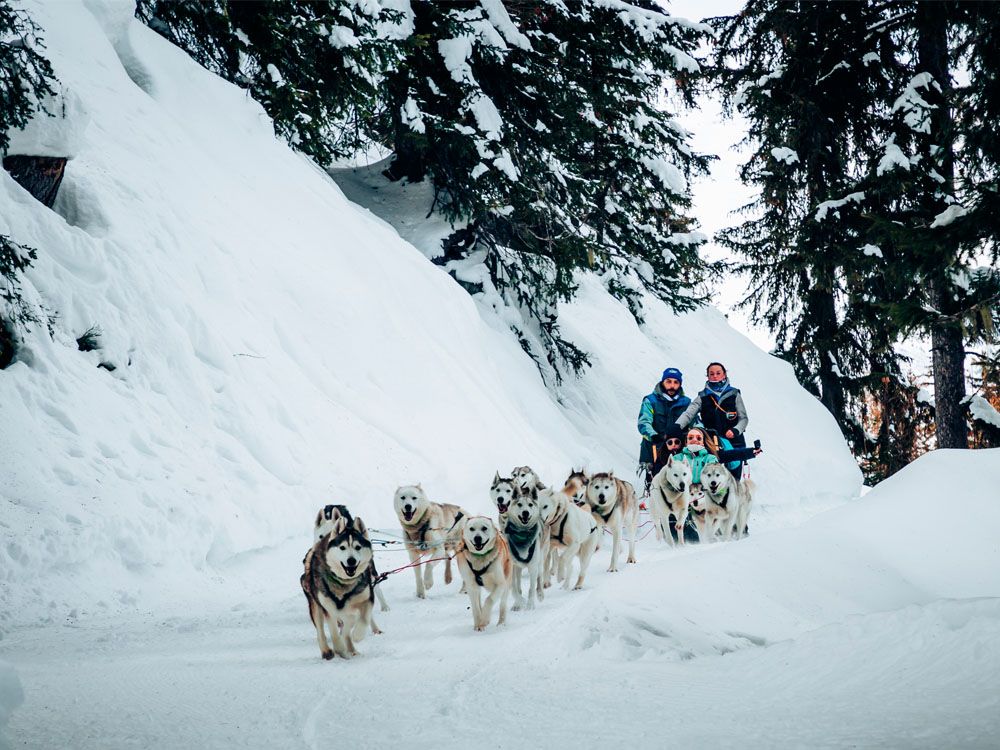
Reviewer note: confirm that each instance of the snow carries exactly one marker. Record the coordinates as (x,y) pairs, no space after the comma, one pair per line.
(57,135)
(825,207)
(278,347)
(946,217)
(983,410)
(11,696)
(785,154)
(873,250)
(668,174)
(893,157)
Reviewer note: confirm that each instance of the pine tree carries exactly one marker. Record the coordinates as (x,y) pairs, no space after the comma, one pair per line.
(536,125)
(317,68)
(805,76)
(26,77)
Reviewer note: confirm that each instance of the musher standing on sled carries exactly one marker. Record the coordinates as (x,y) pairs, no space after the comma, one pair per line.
(659,412)
(721,409)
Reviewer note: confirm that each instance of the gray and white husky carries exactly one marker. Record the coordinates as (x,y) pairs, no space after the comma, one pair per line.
(526,478)
(430,530)
(573,533)
(502,492)
(727,501)
(523,531)
(613,503)
(669,497)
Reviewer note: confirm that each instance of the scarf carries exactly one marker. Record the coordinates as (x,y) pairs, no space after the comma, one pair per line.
(718,388)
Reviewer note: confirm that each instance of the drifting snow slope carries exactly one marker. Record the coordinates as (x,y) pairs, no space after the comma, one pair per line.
(277,348)
(872,625)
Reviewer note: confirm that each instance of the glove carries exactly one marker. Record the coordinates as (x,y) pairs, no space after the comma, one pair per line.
(654,438)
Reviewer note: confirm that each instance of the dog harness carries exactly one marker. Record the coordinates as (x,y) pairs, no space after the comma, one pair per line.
(364,582)
(480,573)
(562,528)
(520,538)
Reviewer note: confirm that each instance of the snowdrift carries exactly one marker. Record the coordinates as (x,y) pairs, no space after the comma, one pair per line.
(276,347)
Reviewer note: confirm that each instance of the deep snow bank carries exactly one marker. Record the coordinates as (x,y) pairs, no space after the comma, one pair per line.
(277,347)
(926,534)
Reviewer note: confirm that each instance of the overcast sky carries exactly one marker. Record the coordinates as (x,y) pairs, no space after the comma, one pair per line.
(716,197)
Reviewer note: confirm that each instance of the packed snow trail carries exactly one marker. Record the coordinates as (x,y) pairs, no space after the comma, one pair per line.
(864,626)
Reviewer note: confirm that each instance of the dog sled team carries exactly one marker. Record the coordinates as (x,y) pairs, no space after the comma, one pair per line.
(694,492)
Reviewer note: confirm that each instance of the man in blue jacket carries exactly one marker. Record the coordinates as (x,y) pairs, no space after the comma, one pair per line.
(657,415)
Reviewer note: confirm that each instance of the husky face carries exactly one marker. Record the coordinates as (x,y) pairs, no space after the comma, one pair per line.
(502,491)
(677,474)
(548,503)
(602,492)
(479,534)
(348,551)
(524,477)
(525,507)
(577,481)
(715,477)
(699,498)
(411,503)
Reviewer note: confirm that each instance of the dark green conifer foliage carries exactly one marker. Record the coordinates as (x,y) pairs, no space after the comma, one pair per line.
(26,77)
(543,138)
(804,75)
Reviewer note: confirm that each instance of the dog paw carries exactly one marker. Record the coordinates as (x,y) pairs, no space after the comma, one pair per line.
(517,607)
(480,628)
(421,595)
(612,569)
(376,631)
(384,608)
(327,655)
(631,560)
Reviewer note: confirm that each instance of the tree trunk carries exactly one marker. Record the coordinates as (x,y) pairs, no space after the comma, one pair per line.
(824,312)
(948,351)
(947,345)
(39,175)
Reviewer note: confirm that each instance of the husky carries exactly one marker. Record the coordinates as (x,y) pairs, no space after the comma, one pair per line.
(484,562)
(727,499)
(337,583)
(577,483)
(573,532)
(523,532)
(326,519)
(613,504)
(669,499)
(502,493)
(428,528)
(525,478)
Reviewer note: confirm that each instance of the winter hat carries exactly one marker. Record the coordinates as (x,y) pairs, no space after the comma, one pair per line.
(675,431)
(672,372)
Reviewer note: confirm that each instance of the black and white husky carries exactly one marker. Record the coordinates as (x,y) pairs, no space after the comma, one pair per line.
(337,583)
(326,519)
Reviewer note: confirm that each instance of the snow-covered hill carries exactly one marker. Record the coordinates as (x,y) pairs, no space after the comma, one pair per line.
(276,347)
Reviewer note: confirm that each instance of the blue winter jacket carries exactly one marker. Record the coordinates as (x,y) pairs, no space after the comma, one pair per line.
(656,415)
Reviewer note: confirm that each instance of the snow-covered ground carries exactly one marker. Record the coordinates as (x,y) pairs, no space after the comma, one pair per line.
(278,347)
(870,625)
